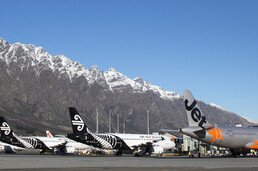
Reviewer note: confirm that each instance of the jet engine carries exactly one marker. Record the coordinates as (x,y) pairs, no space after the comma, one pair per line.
(69,150)
(157,150)
(8,149)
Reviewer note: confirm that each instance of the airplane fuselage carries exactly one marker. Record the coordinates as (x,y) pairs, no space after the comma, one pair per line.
(227,137)
(48,144)
(126,143)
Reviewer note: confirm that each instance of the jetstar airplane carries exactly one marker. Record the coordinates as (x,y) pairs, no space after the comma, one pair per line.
(43,143)
(137,144)
(240,140)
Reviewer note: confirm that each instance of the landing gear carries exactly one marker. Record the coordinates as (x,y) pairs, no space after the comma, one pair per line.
(56,151)
(238,153)
(234,153)
(118,153)
(145,151)
(136,154)
(42,152)
(149,150)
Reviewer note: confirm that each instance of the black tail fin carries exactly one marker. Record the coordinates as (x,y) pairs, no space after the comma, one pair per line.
(9,137)
(6,130)
(79,127)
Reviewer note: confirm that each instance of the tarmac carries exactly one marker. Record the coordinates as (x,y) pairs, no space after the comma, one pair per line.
(78,163)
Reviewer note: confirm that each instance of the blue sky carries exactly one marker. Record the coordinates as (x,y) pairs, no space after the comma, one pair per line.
(209,47)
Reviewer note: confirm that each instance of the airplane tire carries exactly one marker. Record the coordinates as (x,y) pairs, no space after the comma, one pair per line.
(118,153)
(136,154)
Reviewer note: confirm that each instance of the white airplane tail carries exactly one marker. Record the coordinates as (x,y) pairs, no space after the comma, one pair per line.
(49,134)
(195,115)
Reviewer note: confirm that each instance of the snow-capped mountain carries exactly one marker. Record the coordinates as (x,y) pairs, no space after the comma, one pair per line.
(27,56)
(115,80)
(36,89)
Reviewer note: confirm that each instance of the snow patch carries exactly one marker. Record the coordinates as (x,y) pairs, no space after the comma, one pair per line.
(115,80)
(216,106)
(250,120)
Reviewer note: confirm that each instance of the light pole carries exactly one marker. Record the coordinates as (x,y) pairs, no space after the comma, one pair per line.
(148,121)
(97,120)
(109,121)
(117,123)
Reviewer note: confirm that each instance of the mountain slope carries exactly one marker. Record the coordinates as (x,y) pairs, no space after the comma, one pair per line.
(36,88)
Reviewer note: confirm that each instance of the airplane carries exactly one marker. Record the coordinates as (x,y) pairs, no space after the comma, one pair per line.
(32,142)
(55,144)
(10,138)
(136,144)
(239,140)
(72,146)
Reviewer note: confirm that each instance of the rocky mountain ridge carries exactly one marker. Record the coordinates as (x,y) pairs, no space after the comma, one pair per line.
(36,88)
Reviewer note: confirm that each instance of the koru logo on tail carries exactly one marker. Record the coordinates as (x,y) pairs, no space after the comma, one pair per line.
(195,113)
(78,122)
(6,128)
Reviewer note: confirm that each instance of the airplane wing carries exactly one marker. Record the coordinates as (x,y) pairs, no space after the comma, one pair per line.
(169,130)
(209,127)
(61,144)
(50,143)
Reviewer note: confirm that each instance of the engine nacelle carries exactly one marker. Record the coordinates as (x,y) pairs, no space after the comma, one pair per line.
(158,150)
(7,149)
(70,150)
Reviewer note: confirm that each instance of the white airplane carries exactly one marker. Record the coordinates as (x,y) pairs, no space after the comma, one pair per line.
(137,144)
(71,146)
(45,144)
